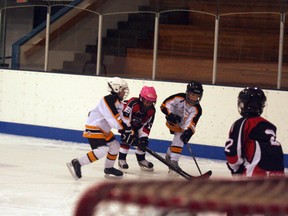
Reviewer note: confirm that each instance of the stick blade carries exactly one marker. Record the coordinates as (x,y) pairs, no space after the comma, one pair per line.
(205,175)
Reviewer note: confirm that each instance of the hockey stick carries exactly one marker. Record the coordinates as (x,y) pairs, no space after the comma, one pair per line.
(173,167)
(190,150)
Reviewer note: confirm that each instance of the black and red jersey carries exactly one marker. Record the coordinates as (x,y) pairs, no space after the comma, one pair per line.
(252,143)
(140,118)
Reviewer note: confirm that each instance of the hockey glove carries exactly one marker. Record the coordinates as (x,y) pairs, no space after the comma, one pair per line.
(127,135)
(143,141)
(173,119)
(186,135)
(239,171)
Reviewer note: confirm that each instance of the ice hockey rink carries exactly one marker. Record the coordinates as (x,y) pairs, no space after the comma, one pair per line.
(36,182)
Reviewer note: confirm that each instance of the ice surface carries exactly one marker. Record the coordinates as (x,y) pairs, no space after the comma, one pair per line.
(36,182)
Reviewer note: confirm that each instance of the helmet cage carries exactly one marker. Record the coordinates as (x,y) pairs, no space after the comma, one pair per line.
(148,94)
(118,86)
(195,88)
(193,98)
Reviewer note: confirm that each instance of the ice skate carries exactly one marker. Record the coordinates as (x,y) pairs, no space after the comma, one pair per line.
(175,163)
(168,157)
(75,169)
(113,173)
(123,165)
(146,165)
(170,171)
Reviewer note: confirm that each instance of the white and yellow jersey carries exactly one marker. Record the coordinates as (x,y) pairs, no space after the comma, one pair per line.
(105,116)
(189,114)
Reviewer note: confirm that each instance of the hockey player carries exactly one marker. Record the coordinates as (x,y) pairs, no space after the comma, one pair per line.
(105,116)
(252,148)
(182,111)
(140,113)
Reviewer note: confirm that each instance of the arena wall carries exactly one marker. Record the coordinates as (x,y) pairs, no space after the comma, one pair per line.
(55,106)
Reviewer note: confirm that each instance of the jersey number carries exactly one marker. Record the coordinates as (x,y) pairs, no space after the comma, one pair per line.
(228,143)
(273,140)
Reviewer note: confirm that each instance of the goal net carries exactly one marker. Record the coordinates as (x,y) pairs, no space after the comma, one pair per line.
(237,196)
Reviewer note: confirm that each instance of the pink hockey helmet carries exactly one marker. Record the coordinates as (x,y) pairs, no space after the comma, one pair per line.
(149,94)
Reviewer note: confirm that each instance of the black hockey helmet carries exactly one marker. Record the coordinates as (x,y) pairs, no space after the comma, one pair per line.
(251,102)
(196,88)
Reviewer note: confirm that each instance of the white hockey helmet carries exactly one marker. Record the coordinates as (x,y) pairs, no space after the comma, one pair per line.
(118,86)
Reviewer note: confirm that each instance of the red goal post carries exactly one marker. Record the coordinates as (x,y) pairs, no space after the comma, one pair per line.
(169,197)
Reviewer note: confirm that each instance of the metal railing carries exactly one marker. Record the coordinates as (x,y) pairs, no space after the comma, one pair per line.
(270,70)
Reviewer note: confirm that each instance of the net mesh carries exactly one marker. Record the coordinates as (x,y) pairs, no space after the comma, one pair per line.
(180,197)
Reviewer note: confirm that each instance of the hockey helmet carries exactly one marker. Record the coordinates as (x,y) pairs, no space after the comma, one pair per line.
(195,88)
(149,94)
(251,102)
(118,86)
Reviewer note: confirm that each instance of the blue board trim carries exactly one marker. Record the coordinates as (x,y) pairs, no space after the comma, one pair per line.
(42,132)
(201,151)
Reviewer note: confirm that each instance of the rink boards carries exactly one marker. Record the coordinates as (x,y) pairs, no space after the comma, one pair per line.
(55,106)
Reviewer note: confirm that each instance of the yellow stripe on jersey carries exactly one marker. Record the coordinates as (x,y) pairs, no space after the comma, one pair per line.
(192,124)
(92,156)
(91,127)
(96,133)
(93,134)
(114,114)
(118,117)
(108,136)
(111,157)
(174,127)
(176,149)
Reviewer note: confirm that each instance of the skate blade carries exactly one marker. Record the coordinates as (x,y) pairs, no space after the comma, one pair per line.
(145,169)
(71,169)
(172,173)
(123,170)
(109,176)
